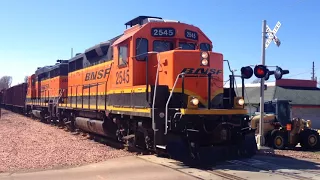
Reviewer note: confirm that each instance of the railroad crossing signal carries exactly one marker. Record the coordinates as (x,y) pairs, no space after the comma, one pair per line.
(279,73)
(246,72)
(261,71)
(272,35)
(266,78)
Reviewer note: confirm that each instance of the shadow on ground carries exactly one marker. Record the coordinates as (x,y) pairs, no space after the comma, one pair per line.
(260,163)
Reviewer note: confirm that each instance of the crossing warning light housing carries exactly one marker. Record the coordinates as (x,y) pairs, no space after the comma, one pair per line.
(260,71)
(279,73)
(246,72)
(268,74)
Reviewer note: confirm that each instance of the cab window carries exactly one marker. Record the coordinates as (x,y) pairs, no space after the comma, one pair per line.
(141,48)
(205,47)
(187,46)
(161,46)
(123,55)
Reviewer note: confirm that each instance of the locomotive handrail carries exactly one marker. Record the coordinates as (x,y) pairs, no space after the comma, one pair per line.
(154,93)
(167,104)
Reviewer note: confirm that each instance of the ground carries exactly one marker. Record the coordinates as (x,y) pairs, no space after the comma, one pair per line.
(28,144)
(34,150)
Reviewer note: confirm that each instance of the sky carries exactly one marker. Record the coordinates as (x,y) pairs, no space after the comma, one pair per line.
(36,33)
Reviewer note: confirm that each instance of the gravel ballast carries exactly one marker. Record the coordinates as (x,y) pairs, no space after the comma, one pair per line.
(297,154)
(27,144)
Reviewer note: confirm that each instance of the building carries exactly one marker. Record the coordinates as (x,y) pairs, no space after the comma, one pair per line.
(304,94)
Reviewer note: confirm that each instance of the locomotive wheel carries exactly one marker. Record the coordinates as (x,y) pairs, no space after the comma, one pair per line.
(279,140)
(309,140)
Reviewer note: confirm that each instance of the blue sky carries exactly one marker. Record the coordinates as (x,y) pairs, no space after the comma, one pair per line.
(35,33)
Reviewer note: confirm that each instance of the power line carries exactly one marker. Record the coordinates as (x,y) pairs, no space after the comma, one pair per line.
(303,72)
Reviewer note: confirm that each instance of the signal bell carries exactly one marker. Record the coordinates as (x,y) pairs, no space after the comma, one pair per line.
(246,72)
(260,71)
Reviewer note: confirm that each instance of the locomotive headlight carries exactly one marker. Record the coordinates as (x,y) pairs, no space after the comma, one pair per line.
(240,102)
(204,62)
(195,101)
(204,55)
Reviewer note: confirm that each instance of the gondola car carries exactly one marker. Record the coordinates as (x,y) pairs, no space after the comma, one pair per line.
(158,86)
(14,97)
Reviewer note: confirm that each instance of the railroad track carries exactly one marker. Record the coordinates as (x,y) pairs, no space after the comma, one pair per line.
(260,165)
(244,169)
(225,175)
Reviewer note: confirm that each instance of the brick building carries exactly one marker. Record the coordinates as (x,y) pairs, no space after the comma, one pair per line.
(304,94)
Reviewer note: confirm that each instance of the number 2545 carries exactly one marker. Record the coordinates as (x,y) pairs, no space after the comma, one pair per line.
(122,76)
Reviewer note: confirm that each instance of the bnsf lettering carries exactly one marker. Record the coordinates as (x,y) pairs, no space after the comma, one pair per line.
(44,87)
(97,74)
(201,71)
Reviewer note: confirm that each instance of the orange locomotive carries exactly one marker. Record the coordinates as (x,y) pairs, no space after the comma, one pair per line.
(158,86)
(46,87)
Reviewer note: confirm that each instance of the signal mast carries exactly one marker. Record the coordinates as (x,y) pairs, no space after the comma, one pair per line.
(262,72)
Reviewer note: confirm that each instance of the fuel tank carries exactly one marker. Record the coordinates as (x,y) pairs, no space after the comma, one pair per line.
(90,125)
(37,113)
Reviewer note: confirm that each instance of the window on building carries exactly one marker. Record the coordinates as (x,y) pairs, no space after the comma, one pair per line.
(141,48)
(123,55)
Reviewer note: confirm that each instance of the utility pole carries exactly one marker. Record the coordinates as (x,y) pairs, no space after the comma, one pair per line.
(265,44)
(313,78)
(71,52)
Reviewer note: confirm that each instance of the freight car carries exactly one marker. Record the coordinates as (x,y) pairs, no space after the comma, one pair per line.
(158,86)
(14,97)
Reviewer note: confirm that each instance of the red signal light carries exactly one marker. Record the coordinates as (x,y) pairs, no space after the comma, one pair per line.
(260,71)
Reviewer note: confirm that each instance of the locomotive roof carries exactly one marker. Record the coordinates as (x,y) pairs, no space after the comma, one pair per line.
(57,65)
(103,44)
(97,46)
(43,70)
(139,20)
(100,45)
(80,55)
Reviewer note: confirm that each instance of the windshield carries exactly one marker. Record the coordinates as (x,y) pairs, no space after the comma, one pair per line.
(160,46)
(187,46)
(283,112)
(205,47)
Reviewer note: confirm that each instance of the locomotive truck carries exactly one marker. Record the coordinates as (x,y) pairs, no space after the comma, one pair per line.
(158,86)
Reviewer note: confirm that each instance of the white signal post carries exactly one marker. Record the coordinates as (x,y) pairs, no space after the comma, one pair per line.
(265,44)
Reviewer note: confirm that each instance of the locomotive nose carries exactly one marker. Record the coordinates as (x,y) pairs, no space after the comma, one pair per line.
(197,66)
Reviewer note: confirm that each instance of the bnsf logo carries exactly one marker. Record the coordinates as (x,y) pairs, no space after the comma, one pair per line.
(97,74)
(201,71)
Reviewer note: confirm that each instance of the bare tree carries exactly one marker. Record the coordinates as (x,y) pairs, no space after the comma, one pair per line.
(5,82)
(26,79)
(256,81)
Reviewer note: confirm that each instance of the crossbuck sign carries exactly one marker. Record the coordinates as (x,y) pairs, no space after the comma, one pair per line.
(272,35)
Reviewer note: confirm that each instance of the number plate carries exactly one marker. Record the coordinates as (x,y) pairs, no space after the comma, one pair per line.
(163,32)
(191,34)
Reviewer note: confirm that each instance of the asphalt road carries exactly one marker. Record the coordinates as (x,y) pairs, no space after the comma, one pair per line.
(153,168)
